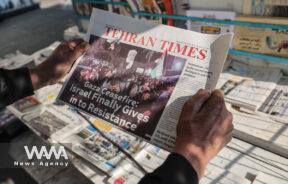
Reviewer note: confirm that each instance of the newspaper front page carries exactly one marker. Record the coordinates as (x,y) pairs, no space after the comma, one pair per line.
(137,75)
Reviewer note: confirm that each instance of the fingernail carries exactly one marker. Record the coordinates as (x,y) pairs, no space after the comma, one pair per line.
(84,45)
(218,92)
(203,91)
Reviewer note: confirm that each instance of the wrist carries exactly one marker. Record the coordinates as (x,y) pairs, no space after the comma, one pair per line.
(195,157)
(36,78)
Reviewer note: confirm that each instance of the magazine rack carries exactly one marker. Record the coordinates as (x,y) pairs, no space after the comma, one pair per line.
(17,10)
(270,58)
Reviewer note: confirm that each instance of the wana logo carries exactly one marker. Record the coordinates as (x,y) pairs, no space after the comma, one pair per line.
(43,152)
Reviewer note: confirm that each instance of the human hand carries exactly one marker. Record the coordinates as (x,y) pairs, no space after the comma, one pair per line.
(58,64)
(204,128)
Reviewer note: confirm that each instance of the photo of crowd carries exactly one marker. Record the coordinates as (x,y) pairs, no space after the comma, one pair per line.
(146,76)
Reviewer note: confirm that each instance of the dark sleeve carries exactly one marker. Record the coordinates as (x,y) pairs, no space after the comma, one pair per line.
(175,170)
(14,85)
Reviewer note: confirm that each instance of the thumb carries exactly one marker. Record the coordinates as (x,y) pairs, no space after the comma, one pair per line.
(80,49)
(196,102)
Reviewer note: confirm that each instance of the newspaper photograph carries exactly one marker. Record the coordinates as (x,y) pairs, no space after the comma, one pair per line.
(45,123)
(92,146)
(51,121)
(24,105)
(137,75)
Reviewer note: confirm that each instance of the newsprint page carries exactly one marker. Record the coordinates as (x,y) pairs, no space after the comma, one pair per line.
(137,75)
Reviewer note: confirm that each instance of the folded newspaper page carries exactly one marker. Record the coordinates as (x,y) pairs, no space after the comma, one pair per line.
(248,86)
(276,104)
(137,75)
(92,146)
(53,122)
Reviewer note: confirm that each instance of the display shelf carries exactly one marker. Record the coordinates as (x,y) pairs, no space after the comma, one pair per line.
(265,57)
(16,11)
(101,2)
(183,17)
(217,21)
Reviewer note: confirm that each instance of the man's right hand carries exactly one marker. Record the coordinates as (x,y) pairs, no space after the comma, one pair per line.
(56,66)
(204,128)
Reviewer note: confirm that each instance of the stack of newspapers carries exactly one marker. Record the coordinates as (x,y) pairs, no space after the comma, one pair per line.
(256,89)
(248,86)
(15,60)
(276,104)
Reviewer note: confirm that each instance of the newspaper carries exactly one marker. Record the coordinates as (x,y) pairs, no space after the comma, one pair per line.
(92,146)
(137,75)
(25,105)
(276,104)
(150,158)
(16,60)
(153,6)
(248,86)
(43,54)
(46,117)
(210,28)
(47,95)
(50,122)
(261,128)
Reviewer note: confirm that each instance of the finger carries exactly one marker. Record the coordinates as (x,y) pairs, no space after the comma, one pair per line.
(226,125)
(221,142)
(78,51)
(72,44)
(214,107)
(81,48)
(194,104)
(227,139)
